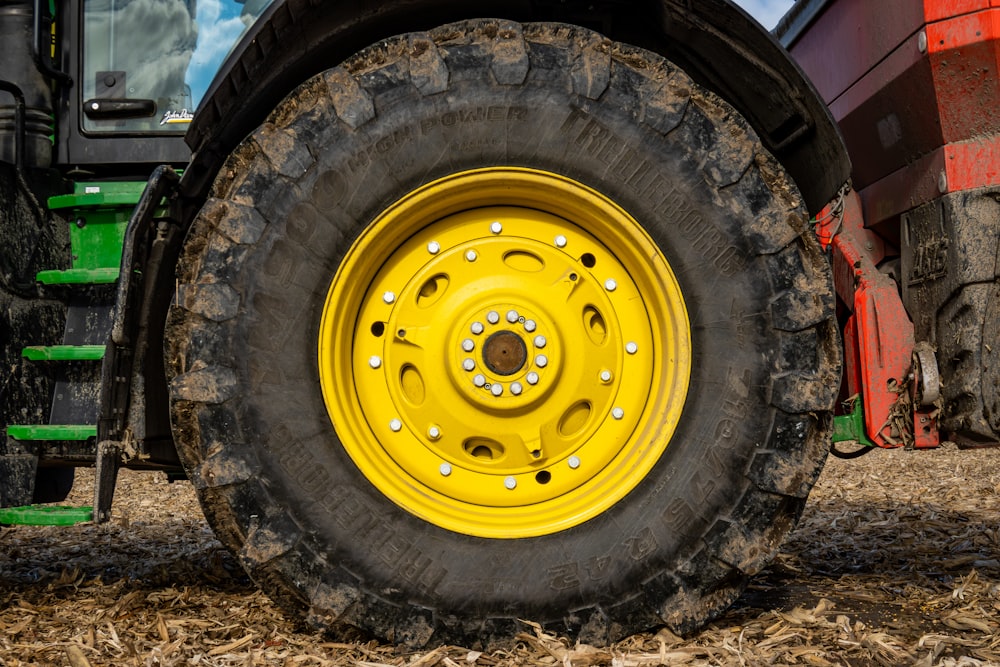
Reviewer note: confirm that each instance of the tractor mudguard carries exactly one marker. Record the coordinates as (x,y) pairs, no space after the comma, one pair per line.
(714,41)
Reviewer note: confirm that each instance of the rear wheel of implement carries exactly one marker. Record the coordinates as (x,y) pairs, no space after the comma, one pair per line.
(502,322)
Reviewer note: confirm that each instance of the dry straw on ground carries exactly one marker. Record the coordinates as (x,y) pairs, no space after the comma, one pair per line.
(895,562)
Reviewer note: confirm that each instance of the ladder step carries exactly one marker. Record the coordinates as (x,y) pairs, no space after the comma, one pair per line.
(64,352)
(100,276)
(45,515)
(52,432)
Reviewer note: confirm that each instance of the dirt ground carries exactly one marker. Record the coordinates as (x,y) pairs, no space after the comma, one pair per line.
(896,562)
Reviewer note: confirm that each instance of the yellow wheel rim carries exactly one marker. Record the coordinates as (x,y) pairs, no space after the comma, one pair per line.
(504,353)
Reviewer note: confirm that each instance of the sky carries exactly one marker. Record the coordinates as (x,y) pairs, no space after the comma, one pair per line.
(767,12)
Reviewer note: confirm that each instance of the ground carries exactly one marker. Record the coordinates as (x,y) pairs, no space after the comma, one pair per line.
(896,561)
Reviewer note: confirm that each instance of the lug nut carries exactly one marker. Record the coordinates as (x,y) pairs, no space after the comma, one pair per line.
(444,469)
(468,345)
(512,316)
(479,380)
(573,462)
(532,377)
(433,247)
(541,361)
(389,297)
(471,256)
(560,241)
(374,361)
(434,432)
(496,227)
(510,483)
(631,347)
(606,376)
(469,364)
(516,388)
(395,426)
(496,389)
(477,328)
(610,284)
(529,325)
(617,413)
(540,341)
(493,317)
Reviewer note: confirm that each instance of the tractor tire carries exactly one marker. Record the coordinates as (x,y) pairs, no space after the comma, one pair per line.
(502,322)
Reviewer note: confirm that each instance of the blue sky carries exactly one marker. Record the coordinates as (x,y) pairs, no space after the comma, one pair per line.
(767,12)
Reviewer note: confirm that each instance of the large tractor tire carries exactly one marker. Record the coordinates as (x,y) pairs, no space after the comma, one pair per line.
(502,322)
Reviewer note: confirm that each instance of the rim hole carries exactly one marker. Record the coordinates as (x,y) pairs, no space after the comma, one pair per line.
(573,276)
(378,328)
(588,260)
(536,453)
(543,476)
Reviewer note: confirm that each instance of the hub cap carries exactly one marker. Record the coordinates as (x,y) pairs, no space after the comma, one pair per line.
(519,360)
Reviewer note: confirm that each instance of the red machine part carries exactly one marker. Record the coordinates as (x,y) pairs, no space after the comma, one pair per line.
(878,335)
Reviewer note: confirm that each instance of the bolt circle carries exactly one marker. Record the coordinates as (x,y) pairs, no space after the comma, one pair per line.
(510,483)
(434,432)
(631,347)
(496,227)
(618,413)
(479,380)
(530,325)
(539,341)
(468,345)
(516,388)
(606,376)
(541,361)
(512,316)
(444,469)
(573,462)
(560,241)
(532,377)
(389,297)
(395,426)
(469,364)
(477,328)
(611,284)
(471,255)
(493,317)
(496,389)
(375,361)
(433,247)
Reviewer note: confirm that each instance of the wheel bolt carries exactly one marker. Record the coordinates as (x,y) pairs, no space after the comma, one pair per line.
(560,241)
(606,376)
(433,247)
(617,413)
(388,297)
(468,345)
(477,328)
(496,389)
(541,361)
(516,388)
(469,364)
(510,483)
(444,469)
(532,377)
(529,325)
(493,317)
(471,256)
(434,432)
(375,361)
(395,426)
(574,462)
(610,284)
(496,227)
(512,316)
(479,380)
(631,347)
(540,341)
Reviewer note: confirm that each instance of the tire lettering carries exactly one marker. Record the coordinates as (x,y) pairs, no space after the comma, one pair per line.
(476,115)
(642,545)
(563,577)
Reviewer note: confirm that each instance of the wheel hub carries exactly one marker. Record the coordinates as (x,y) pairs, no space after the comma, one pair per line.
(501,373)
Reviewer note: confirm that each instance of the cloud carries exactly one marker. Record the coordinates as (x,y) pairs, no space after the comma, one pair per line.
(767,12)
(217,34)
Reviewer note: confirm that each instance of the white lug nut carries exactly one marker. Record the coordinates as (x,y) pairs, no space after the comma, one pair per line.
(610,284)
(433,247)
(529,325)
(469,364)
(479,380)
(471,256)
(477,328)
(496,227)
(375,361)
(395,426)
(496,389)
(631,347)
(493,317)
(389,297)
(468,345)
(516,388)
(434,432)
(541,361)
(444,469)
(617,413)
(606,376)
(574,462)
(540,341)
(512,316)
(560,241)
(532,377)
(510,483)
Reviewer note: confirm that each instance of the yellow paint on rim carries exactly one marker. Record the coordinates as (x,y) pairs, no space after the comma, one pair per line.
(504,353)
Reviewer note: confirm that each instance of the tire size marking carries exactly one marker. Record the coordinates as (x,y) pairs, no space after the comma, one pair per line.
(569,575)
(353,513)
(648,184)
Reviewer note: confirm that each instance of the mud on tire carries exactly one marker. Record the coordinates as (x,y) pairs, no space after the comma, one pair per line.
(276,481)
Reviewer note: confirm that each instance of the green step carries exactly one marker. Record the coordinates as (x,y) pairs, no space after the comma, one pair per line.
(63,352)
(100,276)
(45,515)
(52,432)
